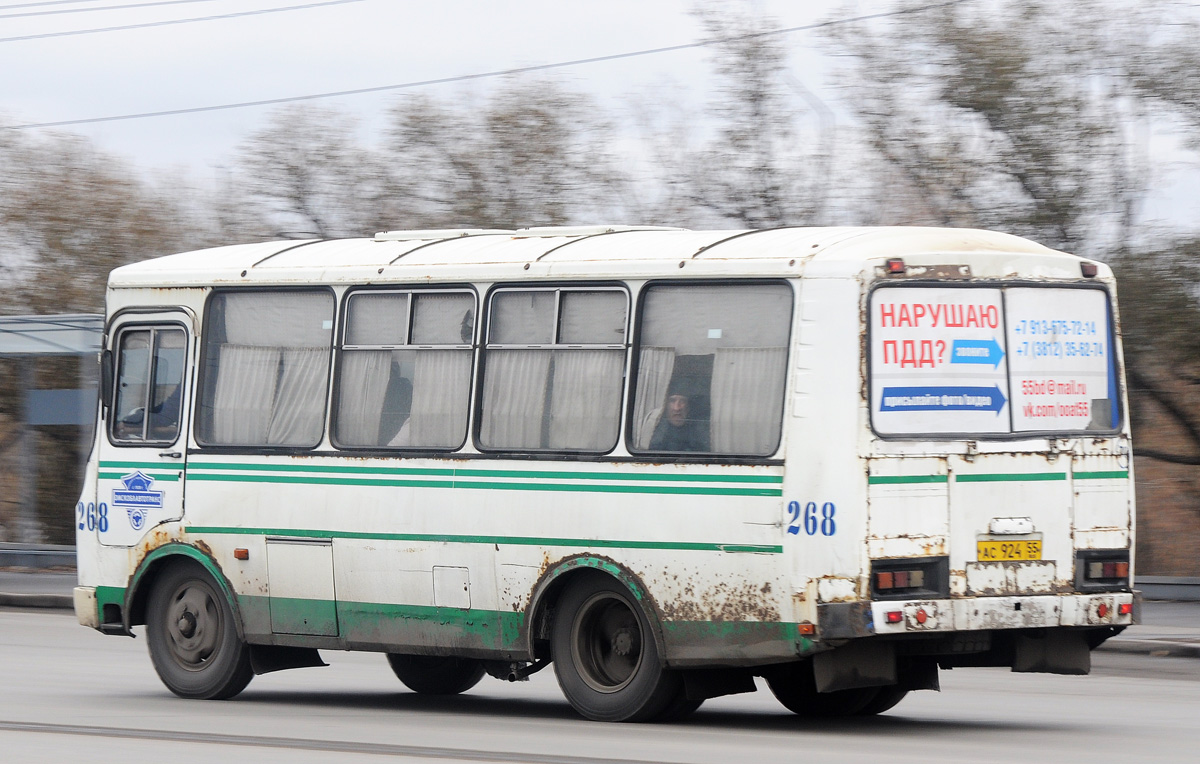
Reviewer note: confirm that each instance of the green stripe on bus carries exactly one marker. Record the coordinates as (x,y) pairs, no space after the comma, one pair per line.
(1010,477)
(574,487)
(501,628)
(686,546)
(1110,475)
(455,472)
(892,479)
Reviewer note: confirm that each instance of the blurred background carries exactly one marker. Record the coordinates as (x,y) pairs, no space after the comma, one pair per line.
(130,130)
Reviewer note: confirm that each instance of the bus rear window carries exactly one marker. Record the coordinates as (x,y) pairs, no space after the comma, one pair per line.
(991,361)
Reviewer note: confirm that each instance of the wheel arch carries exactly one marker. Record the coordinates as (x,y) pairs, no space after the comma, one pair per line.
(152,566)
(560,576)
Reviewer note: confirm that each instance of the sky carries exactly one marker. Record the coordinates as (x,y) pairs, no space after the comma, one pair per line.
(338,47)
(313,47)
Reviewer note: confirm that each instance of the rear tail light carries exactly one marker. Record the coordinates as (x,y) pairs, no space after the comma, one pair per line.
(888,580)
(1125,608)
(1102,570)
(909,578)
(1096,570)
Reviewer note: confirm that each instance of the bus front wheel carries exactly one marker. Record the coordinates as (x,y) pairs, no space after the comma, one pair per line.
(192,637)
(436,674)
(605,657)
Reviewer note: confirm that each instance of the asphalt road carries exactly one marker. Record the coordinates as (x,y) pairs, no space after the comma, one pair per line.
(68,693)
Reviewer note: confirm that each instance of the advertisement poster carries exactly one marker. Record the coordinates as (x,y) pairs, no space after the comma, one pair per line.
(939,362)
(1062,375)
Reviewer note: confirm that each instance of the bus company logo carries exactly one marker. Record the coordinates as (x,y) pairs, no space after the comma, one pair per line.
(137,498)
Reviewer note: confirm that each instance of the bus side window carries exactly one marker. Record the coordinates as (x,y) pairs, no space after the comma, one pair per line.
(711,369)
(145,411)
(266,368)
(404,378)
(554,369)
(133,371)
(166,397)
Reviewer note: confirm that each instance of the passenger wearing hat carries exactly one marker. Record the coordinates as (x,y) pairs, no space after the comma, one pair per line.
(676,430)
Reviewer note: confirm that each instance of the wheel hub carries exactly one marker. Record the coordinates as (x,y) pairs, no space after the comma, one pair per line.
(622,643)
(187,624)
(607,642)
(193,626)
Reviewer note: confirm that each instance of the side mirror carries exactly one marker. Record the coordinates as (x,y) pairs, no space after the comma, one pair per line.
(106,379)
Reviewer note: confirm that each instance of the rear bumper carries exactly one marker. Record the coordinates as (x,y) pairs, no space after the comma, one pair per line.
(851,620)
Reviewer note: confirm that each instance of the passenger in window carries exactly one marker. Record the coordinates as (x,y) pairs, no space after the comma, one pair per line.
(677,430)
(164,418)
(397,407)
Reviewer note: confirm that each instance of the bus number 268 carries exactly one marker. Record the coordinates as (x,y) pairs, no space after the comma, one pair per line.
(812,519)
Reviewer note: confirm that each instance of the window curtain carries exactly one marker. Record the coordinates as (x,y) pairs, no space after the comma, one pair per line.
(585,411)
(244,394)
(361,390)
(655,366)
(298,415)
(747,399)
(441,397)
(514,398)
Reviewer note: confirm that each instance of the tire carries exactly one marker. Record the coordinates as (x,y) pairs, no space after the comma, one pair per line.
(605,657)
(886,700)
(796,688)
(192,637)
(436,674)
(680,707)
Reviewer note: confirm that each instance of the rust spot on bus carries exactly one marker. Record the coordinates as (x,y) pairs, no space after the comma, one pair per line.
(724,602)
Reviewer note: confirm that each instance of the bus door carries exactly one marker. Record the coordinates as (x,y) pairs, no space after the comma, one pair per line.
(143,448)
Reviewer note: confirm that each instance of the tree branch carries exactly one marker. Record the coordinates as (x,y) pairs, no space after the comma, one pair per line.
(1175,410)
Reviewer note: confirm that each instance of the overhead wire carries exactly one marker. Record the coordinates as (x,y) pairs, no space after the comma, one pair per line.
(60,11)
(169,22)
(45,3)
(485,75)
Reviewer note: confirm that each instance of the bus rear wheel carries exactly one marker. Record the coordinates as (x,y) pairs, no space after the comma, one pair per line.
(605,657)
(192,637)
(886,699)
(436,674)
(796,688)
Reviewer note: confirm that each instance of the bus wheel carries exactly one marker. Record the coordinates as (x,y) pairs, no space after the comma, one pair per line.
(436,674)
(192,638)
(795,687)
(887,699)
(605,657)
(680,707)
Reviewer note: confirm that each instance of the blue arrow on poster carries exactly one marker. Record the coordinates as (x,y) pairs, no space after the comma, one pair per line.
(976,351)
(942,399)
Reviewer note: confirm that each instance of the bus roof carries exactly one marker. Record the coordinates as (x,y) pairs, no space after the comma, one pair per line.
(615,250)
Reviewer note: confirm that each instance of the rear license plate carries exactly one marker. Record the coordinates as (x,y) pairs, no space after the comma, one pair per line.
(1000,551)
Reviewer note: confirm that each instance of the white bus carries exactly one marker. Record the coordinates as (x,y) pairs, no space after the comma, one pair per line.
(667,461)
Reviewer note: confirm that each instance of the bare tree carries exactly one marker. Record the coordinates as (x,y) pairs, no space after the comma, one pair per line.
(1007,115)
(70,214)
(533,153)
(758,169)
(307,173)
